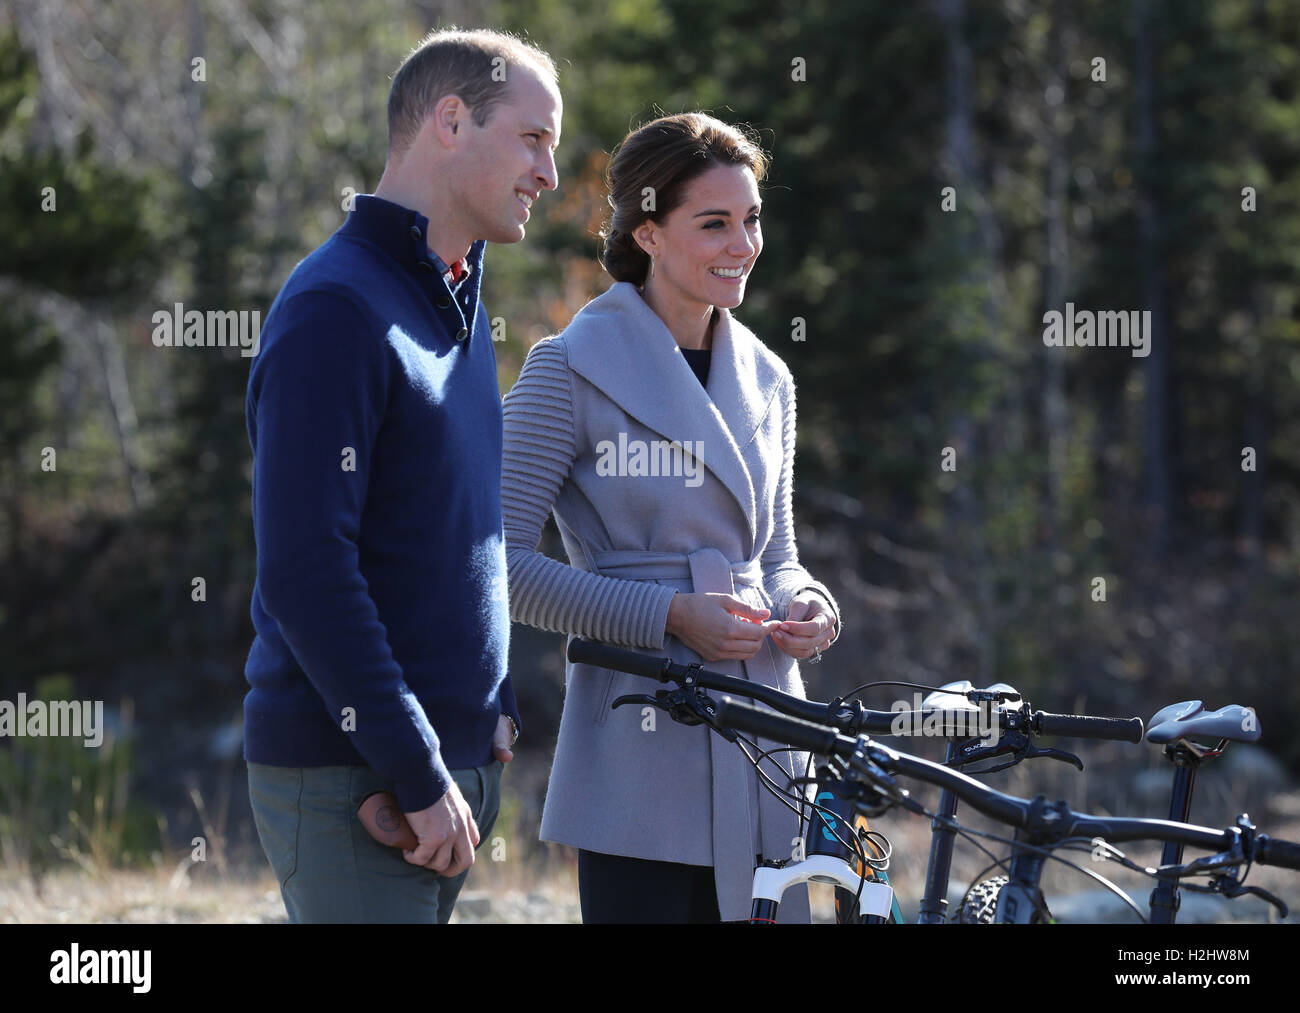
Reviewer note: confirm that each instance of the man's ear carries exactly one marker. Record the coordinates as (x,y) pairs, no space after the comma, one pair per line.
(447,116)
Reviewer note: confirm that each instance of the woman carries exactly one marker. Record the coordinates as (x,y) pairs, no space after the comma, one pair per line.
(661,433)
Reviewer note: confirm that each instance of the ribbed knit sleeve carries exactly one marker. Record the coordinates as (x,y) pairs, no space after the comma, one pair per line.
(539,452)
(783,574)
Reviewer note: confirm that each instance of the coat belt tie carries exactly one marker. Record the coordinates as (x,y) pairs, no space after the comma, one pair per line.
(737,836)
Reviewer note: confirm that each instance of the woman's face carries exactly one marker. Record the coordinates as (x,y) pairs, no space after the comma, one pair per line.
(706,247)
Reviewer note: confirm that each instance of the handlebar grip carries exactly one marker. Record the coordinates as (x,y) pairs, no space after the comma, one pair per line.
(801,734)
(1271,851)
(585,652)
(1088,727)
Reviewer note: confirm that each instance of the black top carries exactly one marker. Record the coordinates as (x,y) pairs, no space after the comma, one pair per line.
(698,359)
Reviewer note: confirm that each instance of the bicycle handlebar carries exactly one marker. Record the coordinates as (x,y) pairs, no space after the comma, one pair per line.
(586,652)
(1089,727)
(843,716)
(1008,809)
(1273,851)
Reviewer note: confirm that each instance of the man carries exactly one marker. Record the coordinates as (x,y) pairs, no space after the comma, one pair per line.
(375,420)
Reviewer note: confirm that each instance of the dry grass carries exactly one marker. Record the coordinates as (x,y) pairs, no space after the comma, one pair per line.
(156,896)
(534,883)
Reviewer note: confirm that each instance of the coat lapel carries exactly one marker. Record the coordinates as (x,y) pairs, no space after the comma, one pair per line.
(741,382)
(622,347)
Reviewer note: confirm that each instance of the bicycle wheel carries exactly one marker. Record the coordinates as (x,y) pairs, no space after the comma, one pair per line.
(980,906)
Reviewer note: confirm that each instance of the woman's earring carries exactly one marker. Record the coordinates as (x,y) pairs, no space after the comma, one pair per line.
(652,268)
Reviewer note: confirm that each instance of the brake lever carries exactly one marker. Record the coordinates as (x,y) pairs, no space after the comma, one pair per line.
(1228,885)
(641,698)
(687,706)
(1054,754)
(673,701)
(1016,743)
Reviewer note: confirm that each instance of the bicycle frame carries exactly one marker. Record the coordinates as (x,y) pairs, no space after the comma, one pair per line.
(943,839)
(1019,895)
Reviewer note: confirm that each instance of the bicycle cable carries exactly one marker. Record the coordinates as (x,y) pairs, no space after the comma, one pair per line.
(851,694)
(783,796)
(875,838)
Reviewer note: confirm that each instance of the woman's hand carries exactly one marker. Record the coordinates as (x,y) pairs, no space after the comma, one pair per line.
(809,627)
(718,627)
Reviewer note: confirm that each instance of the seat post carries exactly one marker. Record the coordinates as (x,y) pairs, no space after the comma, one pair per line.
(1165,898)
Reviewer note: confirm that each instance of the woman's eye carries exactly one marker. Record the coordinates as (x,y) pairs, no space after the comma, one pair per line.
(718,222)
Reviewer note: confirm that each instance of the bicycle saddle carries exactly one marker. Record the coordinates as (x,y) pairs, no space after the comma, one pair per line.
(1180,720)
(952,696)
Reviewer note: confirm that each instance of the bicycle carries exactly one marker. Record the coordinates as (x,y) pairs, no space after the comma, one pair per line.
(869,775)
(856,866)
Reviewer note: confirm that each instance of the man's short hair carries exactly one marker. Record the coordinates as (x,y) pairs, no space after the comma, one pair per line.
(475,65)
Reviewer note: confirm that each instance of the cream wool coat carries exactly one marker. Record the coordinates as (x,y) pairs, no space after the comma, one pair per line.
(674,793)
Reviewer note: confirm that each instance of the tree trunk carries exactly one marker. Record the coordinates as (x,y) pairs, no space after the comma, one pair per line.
(1158,486)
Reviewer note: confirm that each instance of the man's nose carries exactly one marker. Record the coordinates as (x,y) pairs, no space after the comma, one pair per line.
(547,174)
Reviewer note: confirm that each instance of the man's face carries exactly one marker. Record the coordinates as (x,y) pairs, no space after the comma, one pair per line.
(504,165)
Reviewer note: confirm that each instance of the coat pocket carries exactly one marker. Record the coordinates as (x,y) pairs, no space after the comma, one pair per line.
(275,795)
(606,697)
(590,691)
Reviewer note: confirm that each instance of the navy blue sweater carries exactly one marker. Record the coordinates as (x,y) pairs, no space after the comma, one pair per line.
(380,604)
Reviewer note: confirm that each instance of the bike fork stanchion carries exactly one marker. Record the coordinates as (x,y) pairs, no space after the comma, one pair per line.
(1165,898)
(934,904)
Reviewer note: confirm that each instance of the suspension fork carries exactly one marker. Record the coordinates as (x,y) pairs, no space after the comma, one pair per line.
(819,839)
